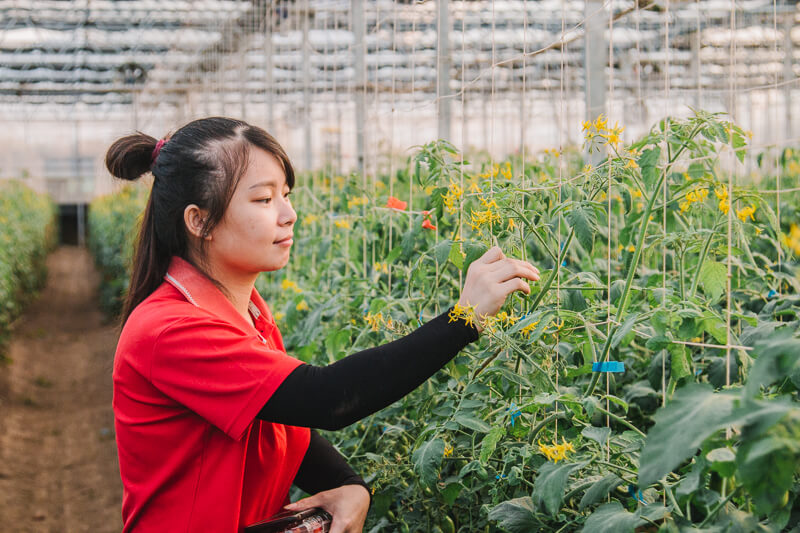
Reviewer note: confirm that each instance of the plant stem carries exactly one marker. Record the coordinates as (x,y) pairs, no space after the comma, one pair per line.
(719,506)
(621,420)
(700,261)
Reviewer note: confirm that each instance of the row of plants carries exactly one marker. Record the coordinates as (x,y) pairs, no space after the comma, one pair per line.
(28,231)
(661,261)
(113,224)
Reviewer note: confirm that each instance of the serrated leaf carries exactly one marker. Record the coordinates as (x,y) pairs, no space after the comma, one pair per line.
(455,256)
(548,489)
(648,162)
(624,329)
(442,251)
(517,515)
(613,517)
(582,219)
(451,492)
(713,278)
(597,434)
(694,414)
(489,443)
(680,362)
(599,490)
(427,460)
(469,421)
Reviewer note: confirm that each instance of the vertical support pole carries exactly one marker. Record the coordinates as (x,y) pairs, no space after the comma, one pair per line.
(357,12)
(269,91)
(595,59)
(443,64)
(308,151)
(79,182)
(243,78)
(788,50)
(695,68)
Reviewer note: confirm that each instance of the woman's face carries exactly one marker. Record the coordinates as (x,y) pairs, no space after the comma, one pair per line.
(255,234)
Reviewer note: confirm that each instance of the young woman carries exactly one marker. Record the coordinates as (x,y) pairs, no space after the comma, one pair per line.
(212,416)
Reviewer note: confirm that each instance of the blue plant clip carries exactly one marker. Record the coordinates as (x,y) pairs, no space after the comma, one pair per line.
(515,412)
(609,366)
(564,263)
(772,293)
(500,477)
(638,497)
(419,318)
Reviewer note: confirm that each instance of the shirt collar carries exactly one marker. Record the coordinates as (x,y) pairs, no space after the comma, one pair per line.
(202,293)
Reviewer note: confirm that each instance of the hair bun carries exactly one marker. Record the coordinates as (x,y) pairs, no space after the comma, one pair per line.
(131,156)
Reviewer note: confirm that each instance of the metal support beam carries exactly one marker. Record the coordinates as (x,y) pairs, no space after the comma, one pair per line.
(788,74)
(595,59)
(443,64)
(308,148)
(358,28)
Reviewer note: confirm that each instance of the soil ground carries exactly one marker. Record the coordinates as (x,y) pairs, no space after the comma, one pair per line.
(58,458)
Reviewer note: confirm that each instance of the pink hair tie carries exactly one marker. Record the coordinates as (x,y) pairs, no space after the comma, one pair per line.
(157,149)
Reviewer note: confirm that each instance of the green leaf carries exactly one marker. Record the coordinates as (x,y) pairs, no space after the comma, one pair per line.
(624,329)
(581,218)
(517,515)
(469,421)
(612,517)
(548,489)
(451,492)
(474,250)
(767,467)
(696,170)
(694,414)
(455,256)
(489,443)
(442,251)
(599,490)
(776,359)
(713,278)
(681,361)
(597,434)
(648,162)
(427,460)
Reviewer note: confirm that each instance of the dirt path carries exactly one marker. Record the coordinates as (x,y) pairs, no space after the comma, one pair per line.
(58,460)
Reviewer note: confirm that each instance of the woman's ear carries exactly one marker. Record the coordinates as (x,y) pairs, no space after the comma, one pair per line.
(195,218)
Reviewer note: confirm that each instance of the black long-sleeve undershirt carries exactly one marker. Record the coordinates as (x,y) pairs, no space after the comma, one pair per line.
(336,395)
(324,468)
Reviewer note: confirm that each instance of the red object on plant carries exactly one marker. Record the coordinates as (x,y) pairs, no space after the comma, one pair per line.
(394,203)
(427,224)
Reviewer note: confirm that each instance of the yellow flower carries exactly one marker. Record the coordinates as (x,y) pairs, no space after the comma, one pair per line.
(474,187)
(684,206)
(429,189)
(302,306)
(462,312)
(374,321)
(631,248)
(631,164)
(381,267)
(279,316)
(310,219)
(345,224)
(636,193)
(746,212)
(448,450)
(556,452)
(792,240)
(356,201)
(511,224)
(587,167)
(601,123)
(286,284)
(527,330)
(506,170)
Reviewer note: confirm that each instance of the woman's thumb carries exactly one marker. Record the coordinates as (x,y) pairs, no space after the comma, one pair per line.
(305,503)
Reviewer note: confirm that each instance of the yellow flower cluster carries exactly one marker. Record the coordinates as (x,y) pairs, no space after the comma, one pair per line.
(302,306)
(454,193)
(792,241)
(793,168)
(462,312)
(631,164)
(474,187)
(527,330)
(697,195)
(502,318)
(556,452)
(594,131)
(491,173)
(724,202)
(746,212)
(287,284)
(374,321)
(505,170)
(553,152)
(381,267)
(279,316)
(310,219)
(343,223)
(488,216)
(357,201)
(448,450)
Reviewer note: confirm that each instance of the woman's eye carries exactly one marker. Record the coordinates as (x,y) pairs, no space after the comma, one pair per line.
(267,200)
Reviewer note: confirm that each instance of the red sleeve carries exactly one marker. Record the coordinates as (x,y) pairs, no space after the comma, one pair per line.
(217,371)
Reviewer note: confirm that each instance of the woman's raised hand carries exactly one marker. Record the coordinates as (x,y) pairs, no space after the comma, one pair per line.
(490,279)
(348,505)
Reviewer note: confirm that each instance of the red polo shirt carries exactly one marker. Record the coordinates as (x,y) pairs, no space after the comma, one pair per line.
(190,375)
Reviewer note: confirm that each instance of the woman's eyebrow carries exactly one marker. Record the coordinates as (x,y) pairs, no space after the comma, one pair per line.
(268,183)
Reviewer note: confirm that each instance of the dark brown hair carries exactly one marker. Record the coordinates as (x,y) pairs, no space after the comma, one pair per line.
(200,164)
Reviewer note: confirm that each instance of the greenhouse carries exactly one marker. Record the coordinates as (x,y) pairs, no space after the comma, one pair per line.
(429,266)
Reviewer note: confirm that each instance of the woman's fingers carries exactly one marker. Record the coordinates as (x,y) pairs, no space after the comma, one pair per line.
(514,284)
(517,269)
(490,256)
(306,503)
